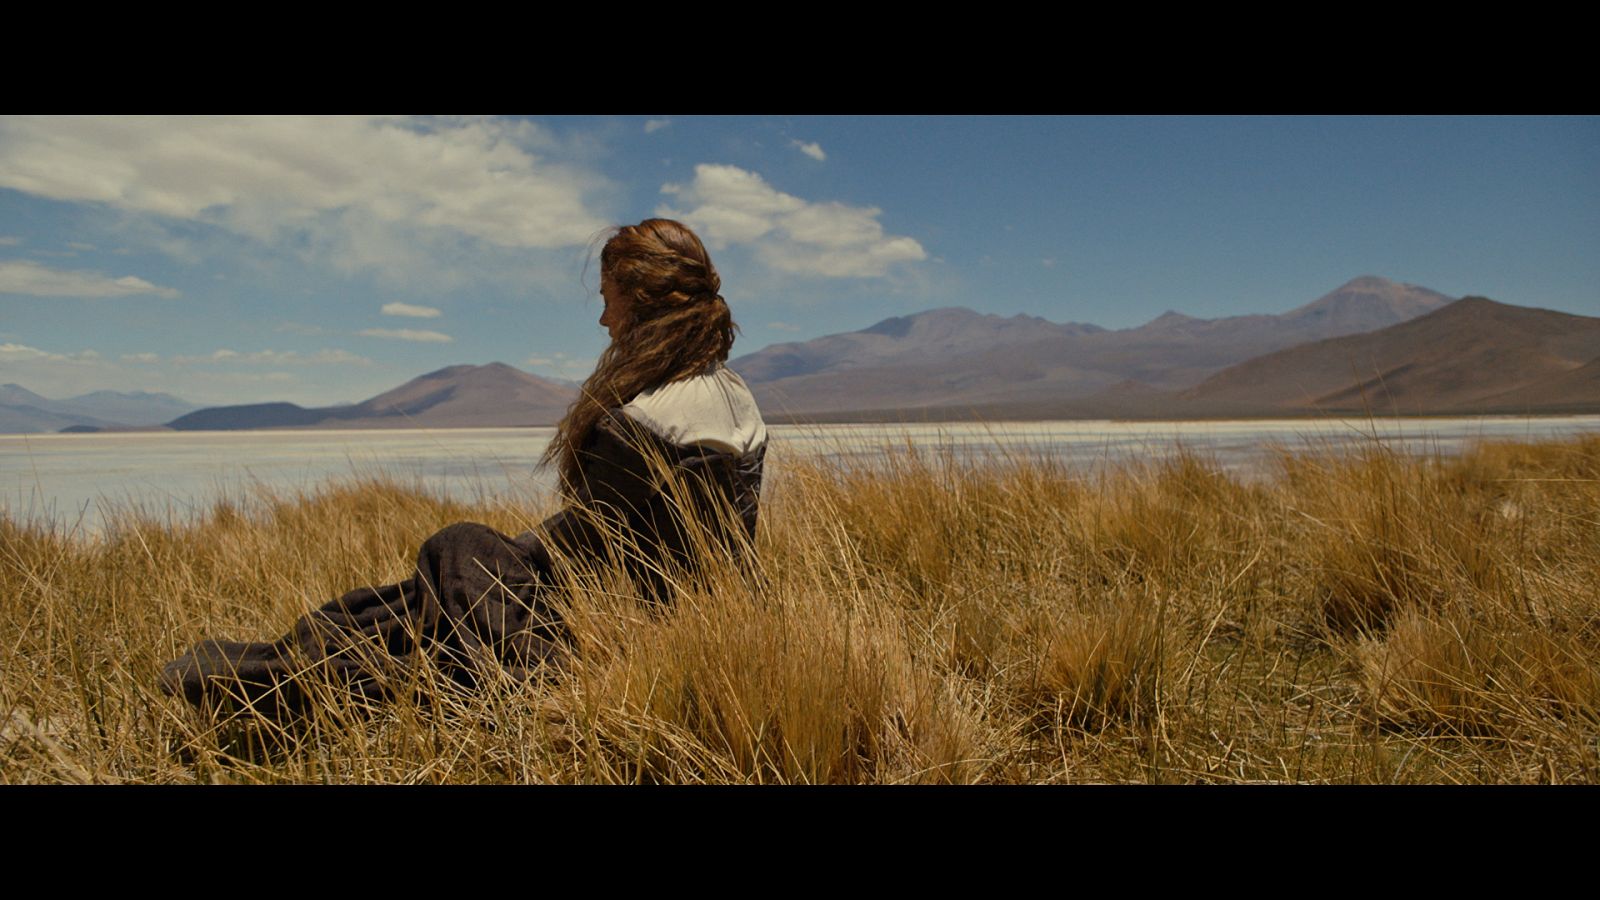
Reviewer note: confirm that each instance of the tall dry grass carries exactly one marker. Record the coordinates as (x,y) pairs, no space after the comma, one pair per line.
(1353,616)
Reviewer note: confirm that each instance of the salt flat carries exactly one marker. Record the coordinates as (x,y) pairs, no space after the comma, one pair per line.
(74,479)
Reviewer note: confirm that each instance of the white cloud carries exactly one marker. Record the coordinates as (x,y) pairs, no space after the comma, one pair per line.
(729,205)
(80,245)
(407,334)
(226,377)
(23,353)
(364,192)
(733,206)
(783,326)
(406,309)
(812,149)
(560,365)
(271,358)
(9,241)
(1048,262)
(338,357)
(651,126)
(10,351)
(20,276)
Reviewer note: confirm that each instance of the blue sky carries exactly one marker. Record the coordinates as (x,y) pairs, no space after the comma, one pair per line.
(322,260)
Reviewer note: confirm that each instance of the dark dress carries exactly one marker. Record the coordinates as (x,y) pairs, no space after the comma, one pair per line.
(480,601)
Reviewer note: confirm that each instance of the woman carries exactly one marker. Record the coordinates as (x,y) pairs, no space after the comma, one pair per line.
(660,461)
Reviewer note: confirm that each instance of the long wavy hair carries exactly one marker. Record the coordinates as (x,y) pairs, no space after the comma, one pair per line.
(678,326)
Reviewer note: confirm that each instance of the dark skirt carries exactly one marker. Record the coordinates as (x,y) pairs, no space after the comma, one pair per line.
(477,603)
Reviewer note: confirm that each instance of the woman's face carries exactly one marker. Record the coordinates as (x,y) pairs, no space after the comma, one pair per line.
(619,307)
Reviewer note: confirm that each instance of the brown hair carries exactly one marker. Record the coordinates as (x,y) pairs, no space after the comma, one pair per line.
(678,327)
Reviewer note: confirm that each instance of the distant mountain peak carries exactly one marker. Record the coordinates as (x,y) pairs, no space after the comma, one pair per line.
(1479,308)
(1370,302)
(17,394)
(901,326)
(1170,317)
(955,317)
(1369,282)
(463,369)
(446,372)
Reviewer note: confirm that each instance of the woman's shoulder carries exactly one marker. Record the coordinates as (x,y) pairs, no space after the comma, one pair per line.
(714,410)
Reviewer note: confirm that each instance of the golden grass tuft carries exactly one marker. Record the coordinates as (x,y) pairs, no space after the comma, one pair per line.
(795,689)
(1461,675)
(1097,668)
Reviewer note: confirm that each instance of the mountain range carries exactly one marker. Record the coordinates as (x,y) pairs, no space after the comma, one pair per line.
(21,410)
(1474,355)
(1372,345)
(955,359)
(454,397)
